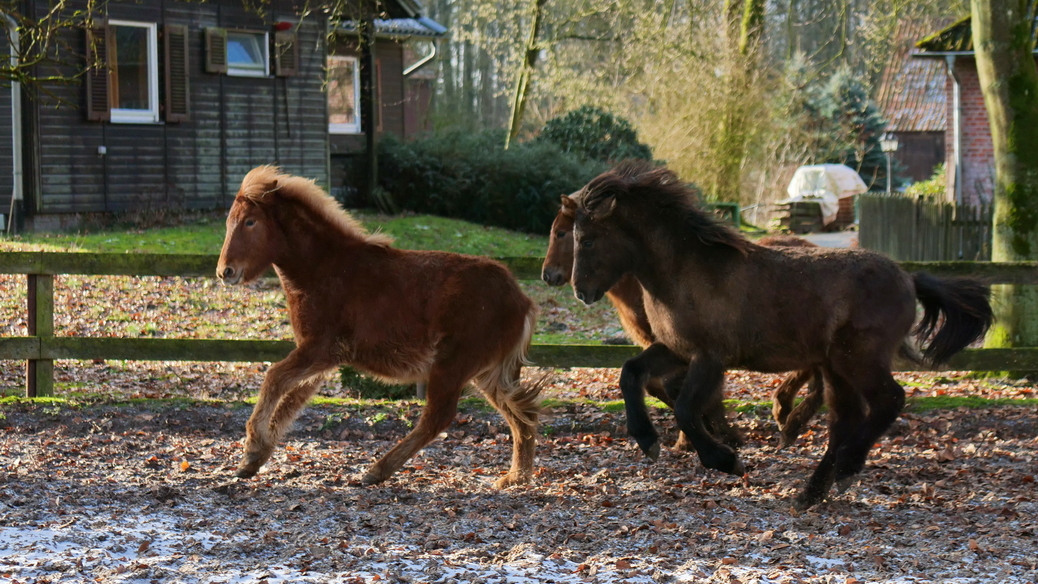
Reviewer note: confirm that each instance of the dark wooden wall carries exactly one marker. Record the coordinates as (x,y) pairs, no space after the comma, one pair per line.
(236,123)
(920,153)
(6,148)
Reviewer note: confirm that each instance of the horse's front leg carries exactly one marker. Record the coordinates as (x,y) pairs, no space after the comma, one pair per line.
(634,377)
(703,392)
(286,388)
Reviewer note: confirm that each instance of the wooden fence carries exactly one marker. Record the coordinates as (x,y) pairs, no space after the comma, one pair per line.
(42,347)
(909,229)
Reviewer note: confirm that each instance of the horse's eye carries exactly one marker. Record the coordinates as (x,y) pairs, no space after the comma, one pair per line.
(560,234)
(587,244)
(250,222)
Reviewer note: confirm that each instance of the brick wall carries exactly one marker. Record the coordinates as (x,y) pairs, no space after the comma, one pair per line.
(978,160)
(978,156)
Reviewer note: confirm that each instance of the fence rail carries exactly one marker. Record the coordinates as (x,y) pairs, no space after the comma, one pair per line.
(42,347)
(914,229)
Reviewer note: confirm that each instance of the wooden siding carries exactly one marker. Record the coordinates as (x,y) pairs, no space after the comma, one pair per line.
(6,130)
(236,123)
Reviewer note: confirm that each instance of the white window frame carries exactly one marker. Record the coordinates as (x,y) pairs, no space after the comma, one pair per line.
(353,128)
(264,46)
(150,115)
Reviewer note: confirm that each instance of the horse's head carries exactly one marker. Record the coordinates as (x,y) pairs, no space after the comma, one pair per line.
(558,262)
(603,250)
(252,238)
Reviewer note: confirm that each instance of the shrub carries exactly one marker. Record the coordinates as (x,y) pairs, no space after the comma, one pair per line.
(934,187)
(595,134)
(471,176)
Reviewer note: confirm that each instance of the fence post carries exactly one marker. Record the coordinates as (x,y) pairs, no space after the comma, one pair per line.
(39,373)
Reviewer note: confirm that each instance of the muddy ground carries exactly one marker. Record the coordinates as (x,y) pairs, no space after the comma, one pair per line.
(144,493)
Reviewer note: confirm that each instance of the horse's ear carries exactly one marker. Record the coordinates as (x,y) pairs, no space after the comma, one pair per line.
(601,205)
(569,205)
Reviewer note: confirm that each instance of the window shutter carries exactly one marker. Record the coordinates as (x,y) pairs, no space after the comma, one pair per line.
(215,50)
(178,94)
(286,53)
(98,89)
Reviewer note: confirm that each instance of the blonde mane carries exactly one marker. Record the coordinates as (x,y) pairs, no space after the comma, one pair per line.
(263,180)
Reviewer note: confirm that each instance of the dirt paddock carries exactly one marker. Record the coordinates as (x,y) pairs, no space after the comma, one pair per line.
(144,493)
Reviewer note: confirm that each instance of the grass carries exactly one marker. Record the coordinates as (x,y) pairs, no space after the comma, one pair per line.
(204,235)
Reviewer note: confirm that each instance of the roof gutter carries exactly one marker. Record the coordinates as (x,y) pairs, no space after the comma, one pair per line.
(425,59)
(956,125)
(17,193)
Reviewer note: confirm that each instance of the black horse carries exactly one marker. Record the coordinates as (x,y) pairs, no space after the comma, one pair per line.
(718,301)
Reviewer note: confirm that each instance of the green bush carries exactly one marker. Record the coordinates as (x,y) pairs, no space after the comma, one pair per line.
(471,176)
(595,134)
(362,386)
(934,187)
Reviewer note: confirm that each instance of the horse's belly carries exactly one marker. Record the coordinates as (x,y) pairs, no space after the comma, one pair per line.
(401,363)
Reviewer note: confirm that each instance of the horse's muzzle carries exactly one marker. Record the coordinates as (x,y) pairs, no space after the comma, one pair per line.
(587,297)
(553,277)
(229,275)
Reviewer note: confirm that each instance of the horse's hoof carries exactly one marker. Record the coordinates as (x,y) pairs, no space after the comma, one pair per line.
(653,451)
(845,483)
(805,501)
(786,441)
(246,472)
(511,480)
(372,477)
(738,469)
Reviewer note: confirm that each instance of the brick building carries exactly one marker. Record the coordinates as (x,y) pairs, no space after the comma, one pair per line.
(969,154)
(911,96)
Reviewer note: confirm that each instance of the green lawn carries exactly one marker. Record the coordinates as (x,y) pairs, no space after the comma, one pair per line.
(205,236)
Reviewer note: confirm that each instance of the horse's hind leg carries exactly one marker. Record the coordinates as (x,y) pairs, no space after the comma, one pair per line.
(786,393)
(703,392)
(520,406)
(804,411)
(885,399)
(285,390)
(634,377)
(441,405)
(845,420)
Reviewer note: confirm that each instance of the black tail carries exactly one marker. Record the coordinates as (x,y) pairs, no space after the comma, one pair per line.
(965,304)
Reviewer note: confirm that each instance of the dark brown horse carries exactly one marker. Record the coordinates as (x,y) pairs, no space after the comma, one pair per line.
(396,314)
(667,371)
(721,301)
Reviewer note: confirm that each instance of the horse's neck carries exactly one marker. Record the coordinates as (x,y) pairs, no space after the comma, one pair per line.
(667,259)
(308,253)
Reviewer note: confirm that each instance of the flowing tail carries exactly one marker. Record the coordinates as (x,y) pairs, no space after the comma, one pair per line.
(966,307)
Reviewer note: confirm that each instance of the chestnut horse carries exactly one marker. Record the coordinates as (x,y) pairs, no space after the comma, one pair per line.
(396,314)
(721,301)
(668,371)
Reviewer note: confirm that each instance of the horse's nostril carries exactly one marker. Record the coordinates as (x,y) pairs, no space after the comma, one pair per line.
(228,272)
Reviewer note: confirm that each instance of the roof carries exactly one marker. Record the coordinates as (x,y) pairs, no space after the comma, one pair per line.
(911,92)
(403,27)
(956,37)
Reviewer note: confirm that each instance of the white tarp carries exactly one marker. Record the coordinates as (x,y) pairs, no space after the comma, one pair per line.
(826,184)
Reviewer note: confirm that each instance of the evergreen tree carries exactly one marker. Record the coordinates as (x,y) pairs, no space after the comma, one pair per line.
(857,125)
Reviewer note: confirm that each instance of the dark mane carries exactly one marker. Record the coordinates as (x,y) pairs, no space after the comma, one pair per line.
(640,182)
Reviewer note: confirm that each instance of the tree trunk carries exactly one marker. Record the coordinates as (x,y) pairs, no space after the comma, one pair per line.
(745,21)
(526,71)
(1004,44)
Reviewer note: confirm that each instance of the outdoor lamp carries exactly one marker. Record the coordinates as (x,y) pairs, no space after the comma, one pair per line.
(888,144)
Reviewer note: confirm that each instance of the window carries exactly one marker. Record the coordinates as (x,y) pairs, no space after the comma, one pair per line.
(123,83)
(343,95)
(122,77)
(247,54)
